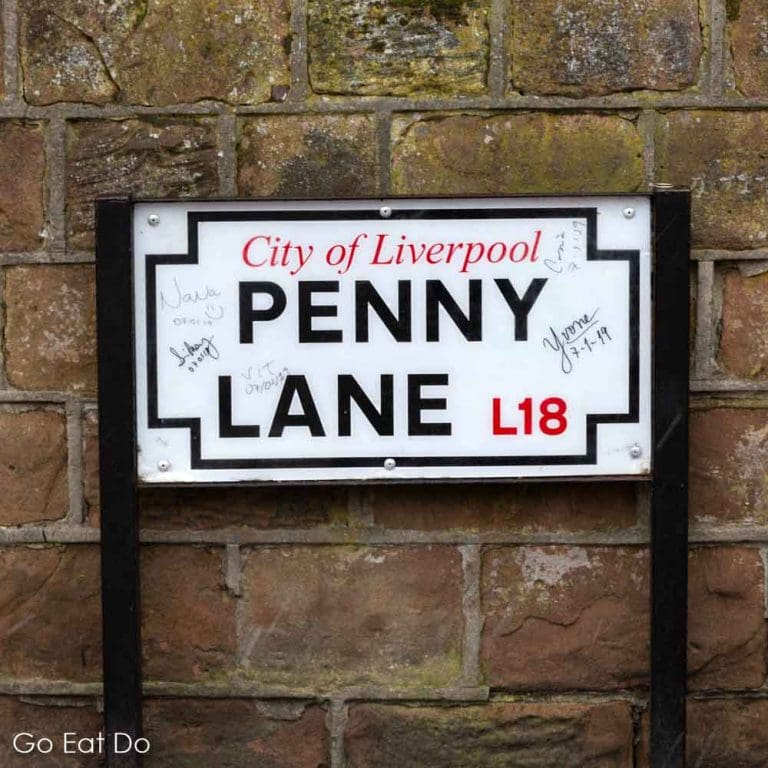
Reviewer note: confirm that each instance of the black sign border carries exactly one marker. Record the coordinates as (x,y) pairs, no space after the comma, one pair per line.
(589,214)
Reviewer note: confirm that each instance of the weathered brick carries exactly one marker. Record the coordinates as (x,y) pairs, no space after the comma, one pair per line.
(744,336)
(338,616)
(50,617)
(729,453)
(594,47)
(50,335)
(728,733)
(530,508)
(194,733)
(565,617)
(748,31)
(188,617)
(720,156)
(91,467)
(155,156)
(305,156)
(33,467)
(500,734)
(265,507)
(520,153)
(156,53)
(50,718)
(398,47)
(726,628)
(22,212)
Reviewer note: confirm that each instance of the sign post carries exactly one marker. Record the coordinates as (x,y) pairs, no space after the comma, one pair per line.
(400,340)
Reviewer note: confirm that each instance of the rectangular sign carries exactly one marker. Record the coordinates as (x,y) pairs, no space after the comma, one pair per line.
(392,339)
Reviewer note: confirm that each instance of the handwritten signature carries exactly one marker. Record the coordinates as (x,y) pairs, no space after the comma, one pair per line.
(195,353)
(561,261)
(264,378)
(560,341)
(176,299)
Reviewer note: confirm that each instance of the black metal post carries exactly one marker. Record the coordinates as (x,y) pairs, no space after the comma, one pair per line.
(117,473)
(669,489)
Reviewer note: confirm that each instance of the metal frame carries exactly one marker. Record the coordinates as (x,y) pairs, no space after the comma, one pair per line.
(668,482)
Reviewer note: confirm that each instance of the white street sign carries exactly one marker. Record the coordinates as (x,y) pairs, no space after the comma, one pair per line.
(392,339)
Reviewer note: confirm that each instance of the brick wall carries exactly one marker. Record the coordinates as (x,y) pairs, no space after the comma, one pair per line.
(383,626)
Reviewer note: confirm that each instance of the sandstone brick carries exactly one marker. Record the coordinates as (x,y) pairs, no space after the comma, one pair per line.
(91,467)
(50,618)
(499,734)
(188,617)
(155,53)
(155,156)
(398,47)
(517,507)
(748,31)
(264,507)
(726,628)
(720,156)
(728,456)
(50,718)
(339,616)
(565,617)
(306,156)
(33,467)
(194,733)
(50,334)
(728,733)
(22,212)
(585,48)
(516,153)
(744,339)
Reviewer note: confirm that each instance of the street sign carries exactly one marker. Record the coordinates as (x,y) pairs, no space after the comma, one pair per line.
(392,339)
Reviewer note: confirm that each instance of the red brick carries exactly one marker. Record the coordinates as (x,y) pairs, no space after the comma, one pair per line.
(49,718)
(729,453)
(22,216)
(565,617)
(33,467)
(91,467)
(748,30)
(595,47)
(719,155)
(265,507)
(188,617)
(525,734)
(152,157)
(307,156)
(517,507)
(726,625)
(337,616)
(50,335)
(744,337)
(196,733)
(527,152)
(50,617)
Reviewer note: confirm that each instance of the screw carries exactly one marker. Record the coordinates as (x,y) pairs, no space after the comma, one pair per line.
(389,464)
(629,213)
(635,451)
(385,211)
(163,465)
(153,219)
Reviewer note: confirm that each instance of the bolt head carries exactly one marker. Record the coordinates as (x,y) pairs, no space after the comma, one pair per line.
(153,219)
(635,451)
(389,464)
(628,213)
(163,465)
(385,211)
